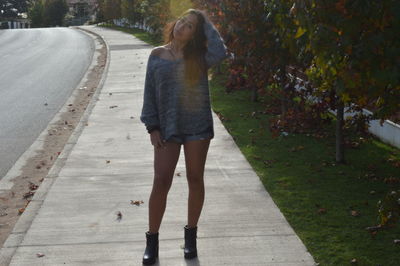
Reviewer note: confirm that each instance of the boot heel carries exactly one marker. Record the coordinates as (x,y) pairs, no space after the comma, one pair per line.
(190,250)
(151,251)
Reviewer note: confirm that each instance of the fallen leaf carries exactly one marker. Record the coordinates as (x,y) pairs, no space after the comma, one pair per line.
(21,210)
(32,186)
(354,261)
(39,255)
(119,216)
(268,163)
(28,194)
(373,228)
(137,202)
(355,213)
(108,161)
(321,210)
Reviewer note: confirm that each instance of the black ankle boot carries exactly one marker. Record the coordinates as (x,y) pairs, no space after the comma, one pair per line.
(151,252)
(190,250)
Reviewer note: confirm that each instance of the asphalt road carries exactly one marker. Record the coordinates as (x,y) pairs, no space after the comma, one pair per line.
(39,68)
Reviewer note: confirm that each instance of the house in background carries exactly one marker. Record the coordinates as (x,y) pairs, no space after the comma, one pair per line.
(19,22)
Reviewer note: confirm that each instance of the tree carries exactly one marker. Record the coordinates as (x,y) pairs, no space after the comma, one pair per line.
(355,49)
(54,12)
(47,13)
(131,10)
(100,12)
(11,8)
(349,51)
(35,14)
(112,9)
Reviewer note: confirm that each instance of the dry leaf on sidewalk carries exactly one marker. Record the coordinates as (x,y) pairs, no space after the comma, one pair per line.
(32,186)
(119,216)
(28,194)
(137,202)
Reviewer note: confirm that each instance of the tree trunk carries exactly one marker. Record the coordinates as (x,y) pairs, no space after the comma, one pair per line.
(339,131)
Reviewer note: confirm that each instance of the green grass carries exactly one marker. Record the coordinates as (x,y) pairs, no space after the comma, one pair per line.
(140,34)
(301,182)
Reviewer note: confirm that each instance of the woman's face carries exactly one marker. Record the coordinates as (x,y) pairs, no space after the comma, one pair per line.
(185,28)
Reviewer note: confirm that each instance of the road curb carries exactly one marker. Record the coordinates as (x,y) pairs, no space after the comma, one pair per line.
(25,220)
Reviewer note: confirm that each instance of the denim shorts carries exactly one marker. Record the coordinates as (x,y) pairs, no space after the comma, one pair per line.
(208,133)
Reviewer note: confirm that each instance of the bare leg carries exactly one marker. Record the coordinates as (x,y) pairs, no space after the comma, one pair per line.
(165,160)
(195,158)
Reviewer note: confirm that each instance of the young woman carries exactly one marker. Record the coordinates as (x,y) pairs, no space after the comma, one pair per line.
(176,110)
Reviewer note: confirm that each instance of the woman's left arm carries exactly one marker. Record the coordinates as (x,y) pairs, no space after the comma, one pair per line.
(216,48)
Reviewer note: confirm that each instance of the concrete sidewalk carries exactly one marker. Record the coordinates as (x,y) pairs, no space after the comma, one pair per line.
(112,163)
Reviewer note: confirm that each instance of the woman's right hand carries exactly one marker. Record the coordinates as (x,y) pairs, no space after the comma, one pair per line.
(156,140)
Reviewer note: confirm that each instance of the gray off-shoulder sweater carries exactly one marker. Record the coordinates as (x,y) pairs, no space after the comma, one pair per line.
(171,105)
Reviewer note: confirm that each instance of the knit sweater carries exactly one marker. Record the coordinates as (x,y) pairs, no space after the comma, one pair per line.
(168,103)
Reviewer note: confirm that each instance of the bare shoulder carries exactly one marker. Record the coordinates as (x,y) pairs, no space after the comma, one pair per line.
(158,51)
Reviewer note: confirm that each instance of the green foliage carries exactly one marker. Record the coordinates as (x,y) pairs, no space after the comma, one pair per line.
(130,9)
(35,14)
(157,14)
(47,13)
(355,48)
(54,12)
